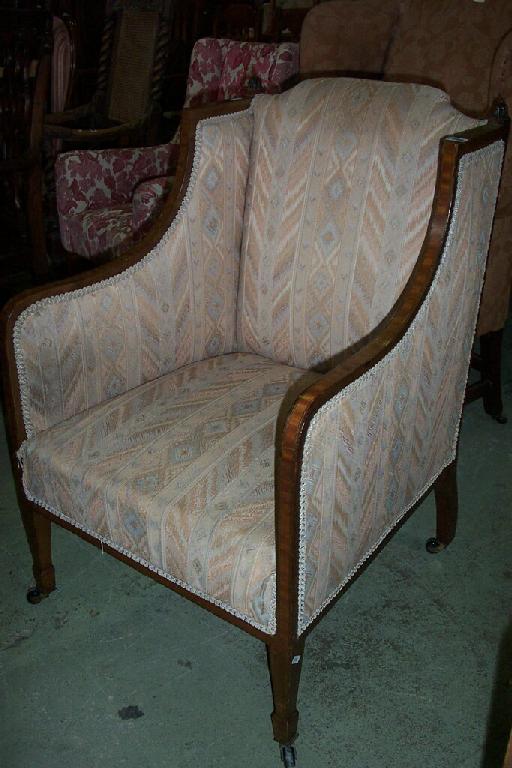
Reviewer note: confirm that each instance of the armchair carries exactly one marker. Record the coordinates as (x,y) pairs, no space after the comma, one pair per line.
(465,48)
(249,401)
(128,89)
(106,196)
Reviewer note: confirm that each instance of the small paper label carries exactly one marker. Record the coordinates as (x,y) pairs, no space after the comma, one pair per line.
(295,659)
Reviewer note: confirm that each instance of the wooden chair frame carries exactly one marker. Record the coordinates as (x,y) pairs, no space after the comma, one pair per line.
(28,164)
(59,125)
(286,648)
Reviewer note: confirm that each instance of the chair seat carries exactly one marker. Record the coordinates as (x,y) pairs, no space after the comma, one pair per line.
(178,474)
(95,231)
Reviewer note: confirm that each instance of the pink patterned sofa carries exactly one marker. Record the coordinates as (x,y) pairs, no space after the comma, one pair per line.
(105,196)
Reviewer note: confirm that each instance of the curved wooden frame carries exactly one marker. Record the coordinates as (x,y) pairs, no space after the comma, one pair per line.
(58,125)
(285,648)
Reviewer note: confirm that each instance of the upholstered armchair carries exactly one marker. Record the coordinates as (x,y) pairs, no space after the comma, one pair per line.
(106,196)
(246,404)
(465,48)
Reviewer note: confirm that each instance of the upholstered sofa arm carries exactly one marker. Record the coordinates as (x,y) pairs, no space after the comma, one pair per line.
(148,199)
(79,346)
(386,418)
(89,179)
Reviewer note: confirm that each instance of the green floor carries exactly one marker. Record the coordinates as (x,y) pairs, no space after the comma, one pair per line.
(412,668)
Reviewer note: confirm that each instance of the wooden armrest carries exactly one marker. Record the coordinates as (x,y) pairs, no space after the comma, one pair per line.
(61,118)
(350,365)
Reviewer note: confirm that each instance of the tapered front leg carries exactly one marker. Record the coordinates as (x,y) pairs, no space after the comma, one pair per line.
(445,489)
(38,531)
(285,664)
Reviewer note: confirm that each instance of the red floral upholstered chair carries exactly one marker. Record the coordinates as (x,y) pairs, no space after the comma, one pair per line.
(465,48)
(105,196)
(247,403)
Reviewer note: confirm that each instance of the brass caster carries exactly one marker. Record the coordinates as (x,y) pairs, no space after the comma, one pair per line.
(288,755)
(34,595)
(434,546)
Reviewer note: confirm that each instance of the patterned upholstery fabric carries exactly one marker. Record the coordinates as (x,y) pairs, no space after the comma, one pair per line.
(182,478)
(151,425)
(176,306)
(93,184)
(97,181)
(148,199)
(461,46)
(373,450)
(465,48)
(328,204)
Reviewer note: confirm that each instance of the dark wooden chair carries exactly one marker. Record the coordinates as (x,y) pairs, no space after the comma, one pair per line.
(24,83)
(247,404)
(126,103)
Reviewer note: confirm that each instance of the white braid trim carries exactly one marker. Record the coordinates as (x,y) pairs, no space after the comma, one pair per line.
(269,629)
(497,148)
(125,274)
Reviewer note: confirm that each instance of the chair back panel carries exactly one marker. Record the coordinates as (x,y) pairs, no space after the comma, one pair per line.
(267,64)
(221,69)
(452,44)
(63,64)
(335,215)
(132,65)
(347,36)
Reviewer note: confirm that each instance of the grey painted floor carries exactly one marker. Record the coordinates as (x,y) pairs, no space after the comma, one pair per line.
(412,668)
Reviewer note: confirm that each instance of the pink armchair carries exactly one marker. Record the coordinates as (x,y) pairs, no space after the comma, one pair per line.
(106,196)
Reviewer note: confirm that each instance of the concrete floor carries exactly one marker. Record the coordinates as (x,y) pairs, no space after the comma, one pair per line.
(411,669)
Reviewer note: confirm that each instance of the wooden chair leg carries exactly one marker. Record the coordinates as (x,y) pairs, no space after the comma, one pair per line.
(445,490)
(490,352)
(35,217)
(285,666)
(38,531)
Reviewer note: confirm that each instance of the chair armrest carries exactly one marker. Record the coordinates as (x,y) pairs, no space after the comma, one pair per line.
(62,118)
(91,179)
(73,344)
(148,198)
(359,447)
(91,135)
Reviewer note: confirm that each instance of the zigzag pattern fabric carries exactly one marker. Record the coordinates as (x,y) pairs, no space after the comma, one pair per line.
(178,473)
(149,429)
(176,306)
(342,180)
(373,451)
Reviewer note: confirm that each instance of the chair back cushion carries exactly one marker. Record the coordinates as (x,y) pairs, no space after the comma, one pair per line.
(132,65)
(452,44)
(272,64)
(220,68)
(341,183)
(343,35)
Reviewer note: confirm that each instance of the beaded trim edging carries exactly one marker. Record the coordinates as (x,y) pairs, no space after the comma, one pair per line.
(270,629)
(115,279)
(495,148)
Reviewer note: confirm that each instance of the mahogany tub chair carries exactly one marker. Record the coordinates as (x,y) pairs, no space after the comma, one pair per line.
(465,48)
(128,91)
(104,197)
(245,405)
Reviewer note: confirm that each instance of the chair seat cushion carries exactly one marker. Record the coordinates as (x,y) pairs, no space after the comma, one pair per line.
(96,231)
(178,474)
